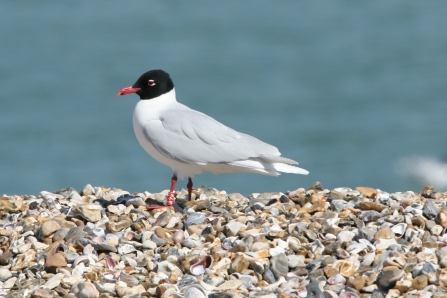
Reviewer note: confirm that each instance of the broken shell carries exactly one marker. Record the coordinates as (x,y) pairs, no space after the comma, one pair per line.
(110,262)
(129,235)
(81,259)
(130,280)
(98,232)
(399,229)
(109,276)
(179,236)
(199,267)
(195,291)
(112,239)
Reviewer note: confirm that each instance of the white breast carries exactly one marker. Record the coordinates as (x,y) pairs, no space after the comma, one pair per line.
(147,110)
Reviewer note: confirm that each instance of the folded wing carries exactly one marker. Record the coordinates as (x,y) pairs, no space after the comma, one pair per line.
(189,136)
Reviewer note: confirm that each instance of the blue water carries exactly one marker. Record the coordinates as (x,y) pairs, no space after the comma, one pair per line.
(345,88)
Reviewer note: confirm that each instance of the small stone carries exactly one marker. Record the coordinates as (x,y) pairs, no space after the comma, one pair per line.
(366,233)
(90,212)
(42,293)
(357,283)
(419,282)
(232,228)
(385,233)
(314,291)
(383,244)
(49,227)
(346,268)
(429,210)
(257,246)
(368,192)
(56,261)
(372,206)
(6,257)
(403,285)
(339,205)
(84,290)
(295,261)
(279,265)
(5,274)
(388,280)
(368,216)
(60,234)
(239,264)
(229,285)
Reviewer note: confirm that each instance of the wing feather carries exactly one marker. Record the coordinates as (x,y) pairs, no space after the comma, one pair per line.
(190,136)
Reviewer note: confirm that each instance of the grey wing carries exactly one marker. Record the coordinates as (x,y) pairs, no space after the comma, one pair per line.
(190,136)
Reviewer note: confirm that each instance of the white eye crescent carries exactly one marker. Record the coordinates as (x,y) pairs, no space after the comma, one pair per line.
(151,83)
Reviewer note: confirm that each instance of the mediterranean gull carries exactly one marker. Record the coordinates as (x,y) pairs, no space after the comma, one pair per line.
(190,142)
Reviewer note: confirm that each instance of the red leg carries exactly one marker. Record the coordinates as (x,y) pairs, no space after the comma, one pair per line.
(189,186)
(172,190)
(171,195)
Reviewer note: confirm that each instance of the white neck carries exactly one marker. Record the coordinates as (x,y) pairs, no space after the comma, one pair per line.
(164,99)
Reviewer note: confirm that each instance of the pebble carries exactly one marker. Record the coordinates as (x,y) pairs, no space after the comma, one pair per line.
(341,243)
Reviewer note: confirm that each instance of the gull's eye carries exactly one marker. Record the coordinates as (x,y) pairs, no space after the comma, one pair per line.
(151,83)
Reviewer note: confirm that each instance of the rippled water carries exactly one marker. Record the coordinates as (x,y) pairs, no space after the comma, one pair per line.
(347,89)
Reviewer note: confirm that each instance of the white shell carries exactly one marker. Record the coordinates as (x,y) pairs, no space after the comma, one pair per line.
(130,280)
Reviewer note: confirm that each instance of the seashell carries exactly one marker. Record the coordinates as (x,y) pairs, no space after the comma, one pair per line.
(124,249)
(64,271)
(109,276)
(179,236)
(71,257)
(330,294)
(436,230)
(191,242)
(112,239)
(195,291)
(345,236)
(348,294)
(98,232)
(130,280)
(61,247)
(131,262)
(338,279)
(97,239)
(399,229)
(88,250)
(84,290)
(110,262)
(158,241)
(81,259)
(356,248)
(199,267)
(24,247)
(129,235)
(173,221)
(9,227)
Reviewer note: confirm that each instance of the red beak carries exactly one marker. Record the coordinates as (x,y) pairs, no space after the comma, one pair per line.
(127,90)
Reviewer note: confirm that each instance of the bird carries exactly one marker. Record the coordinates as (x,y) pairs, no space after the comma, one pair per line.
(191,142)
